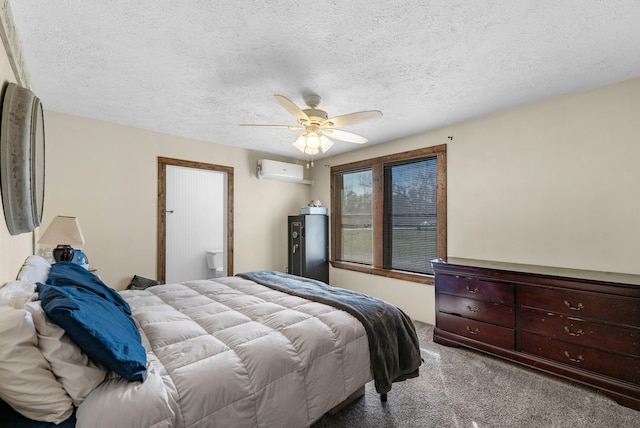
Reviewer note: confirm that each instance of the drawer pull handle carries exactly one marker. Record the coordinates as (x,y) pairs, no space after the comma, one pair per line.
(570,333)
(474,331)
(575,360)
(574,308)
(473,290)
(472,309)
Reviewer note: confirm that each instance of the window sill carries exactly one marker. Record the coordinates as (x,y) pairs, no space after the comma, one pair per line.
(395,274)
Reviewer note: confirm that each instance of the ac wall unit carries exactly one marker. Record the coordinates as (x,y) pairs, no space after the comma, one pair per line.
(281,171)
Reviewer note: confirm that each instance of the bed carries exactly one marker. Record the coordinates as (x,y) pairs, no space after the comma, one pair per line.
(234,351)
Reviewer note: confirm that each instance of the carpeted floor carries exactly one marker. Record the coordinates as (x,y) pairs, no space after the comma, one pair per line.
(463,388)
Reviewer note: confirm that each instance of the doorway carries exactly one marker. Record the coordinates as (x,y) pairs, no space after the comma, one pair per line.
(195,220)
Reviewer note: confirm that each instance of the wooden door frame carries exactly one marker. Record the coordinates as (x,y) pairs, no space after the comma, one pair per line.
(162,209)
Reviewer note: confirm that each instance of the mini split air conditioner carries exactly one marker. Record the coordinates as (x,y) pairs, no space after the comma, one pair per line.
(281,171)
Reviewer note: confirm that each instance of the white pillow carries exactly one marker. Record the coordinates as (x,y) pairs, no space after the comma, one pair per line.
(18,293)
(28,385)
(73,368)
(35,269)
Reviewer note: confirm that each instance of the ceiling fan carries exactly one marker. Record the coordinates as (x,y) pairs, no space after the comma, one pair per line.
(319,129)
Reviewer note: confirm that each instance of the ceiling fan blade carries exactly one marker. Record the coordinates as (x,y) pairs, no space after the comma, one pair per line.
(295,128)
(352,118)
(289,106)
(344,135)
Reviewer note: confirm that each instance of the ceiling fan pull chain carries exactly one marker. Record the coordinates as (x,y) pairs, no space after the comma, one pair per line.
(309,162)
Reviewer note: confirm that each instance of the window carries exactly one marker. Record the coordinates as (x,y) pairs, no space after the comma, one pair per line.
(356,231)
(389,214)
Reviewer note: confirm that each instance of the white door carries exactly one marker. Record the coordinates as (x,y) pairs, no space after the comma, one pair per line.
(196,223)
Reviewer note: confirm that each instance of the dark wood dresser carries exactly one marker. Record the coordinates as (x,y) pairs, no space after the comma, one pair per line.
(577,324)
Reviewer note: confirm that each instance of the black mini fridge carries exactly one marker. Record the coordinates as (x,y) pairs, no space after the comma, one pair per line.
(309,246)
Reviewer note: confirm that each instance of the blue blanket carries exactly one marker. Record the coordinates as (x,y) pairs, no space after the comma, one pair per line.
(393,343)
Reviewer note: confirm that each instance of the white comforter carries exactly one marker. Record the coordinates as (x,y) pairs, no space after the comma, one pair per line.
(234,353)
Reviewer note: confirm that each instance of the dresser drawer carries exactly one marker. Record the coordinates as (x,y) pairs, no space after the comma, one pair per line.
(477,289)
(605,363)
(490,312)
(481,331)
(570,329)
(584,305)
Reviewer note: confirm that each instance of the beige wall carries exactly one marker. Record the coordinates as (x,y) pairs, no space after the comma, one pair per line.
(555,183)
(106,175)
(13,249)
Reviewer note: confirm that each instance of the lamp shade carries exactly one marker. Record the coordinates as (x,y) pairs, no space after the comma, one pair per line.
(63,230)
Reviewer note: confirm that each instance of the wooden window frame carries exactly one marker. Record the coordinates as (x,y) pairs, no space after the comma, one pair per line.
(376,165)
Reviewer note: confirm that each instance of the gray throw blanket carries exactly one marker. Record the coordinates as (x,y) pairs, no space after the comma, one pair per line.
(393,343)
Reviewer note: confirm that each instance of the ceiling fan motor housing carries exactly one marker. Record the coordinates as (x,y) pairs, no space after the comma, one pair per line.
(316,115)
(312,100)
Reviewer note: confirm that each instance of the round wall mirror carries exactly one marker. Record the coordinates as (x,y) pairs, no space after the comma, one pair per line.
(22,163)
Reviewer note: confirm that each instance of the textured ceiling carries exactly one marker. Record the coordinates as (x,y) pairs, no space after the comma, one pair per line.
(200,68)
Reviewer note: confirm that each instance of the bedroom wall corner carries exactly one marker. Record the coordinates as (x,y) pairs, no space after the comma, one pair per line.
(13,252)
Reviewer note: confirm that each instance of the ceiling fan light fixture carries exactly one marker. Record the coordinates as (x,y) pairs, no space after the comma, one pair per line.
(311,151)
(325,144)
(300,144)
(311,143)
(312,140)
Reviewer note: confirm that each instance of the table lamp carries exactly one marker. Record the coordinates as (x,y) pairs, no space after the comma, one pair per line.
(64,233)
